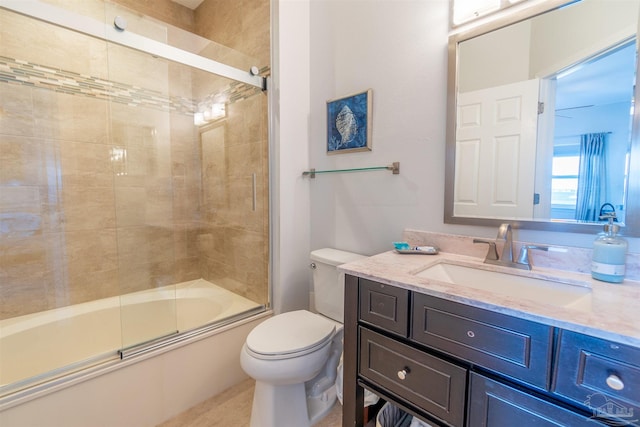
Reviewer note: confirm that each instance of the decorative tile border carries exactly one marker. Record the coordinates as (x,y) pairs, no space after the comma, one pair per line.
(15,71)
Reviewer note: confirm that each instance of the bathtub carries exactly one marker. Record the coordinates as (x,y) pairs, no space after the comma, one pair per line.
(80,335)
(142,391)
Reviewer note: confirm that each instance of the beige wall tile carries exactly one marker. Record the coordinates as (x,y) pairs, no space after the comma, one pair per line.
(164,10)
(237,24)
(16,110)
(86,164)
(29,184)
(51,46)
(20,208)
(130,206)
(89,251)
(100,198)
(23,161)
(159,202)
(68,117)
(31,274)
(87,208)
(92,267)
(139,23)
(149,72)
(93,285)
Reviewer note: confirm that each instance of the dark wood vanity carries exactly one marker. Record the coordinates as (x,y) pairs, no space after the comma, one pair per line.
(453,364)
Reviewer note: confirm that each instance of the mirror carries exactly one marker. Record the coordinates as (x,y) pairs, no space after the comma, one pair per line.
(541,126)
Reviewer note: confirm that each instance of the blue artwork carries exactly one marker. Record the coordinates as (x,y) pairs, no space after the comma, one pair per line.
(349,123)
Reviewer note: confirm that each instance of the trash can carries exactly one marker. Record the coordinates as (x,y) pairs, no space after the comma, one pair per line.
(369,398)
(392,416)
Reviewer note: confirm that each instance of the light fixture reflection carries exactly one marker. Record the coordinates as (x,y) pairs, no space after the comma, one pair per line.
(209,112)
(119,160)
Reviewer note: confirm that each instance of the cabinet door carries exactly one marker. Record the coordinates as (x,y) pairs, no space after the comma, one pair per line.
(384,306)
(426,382)
(492,404)
(515,347)
(601,376)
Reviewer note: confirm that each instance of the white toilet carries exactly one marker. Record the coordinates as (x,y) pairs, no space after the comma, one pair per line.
(294,356)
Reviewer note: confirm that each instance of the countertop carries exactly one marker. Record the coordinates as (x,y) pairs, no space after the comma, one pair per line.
(612,312)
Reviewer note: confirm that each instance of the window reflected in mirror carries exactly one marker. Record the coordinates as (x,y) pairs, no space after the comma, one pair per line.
(592,135)
(564,184)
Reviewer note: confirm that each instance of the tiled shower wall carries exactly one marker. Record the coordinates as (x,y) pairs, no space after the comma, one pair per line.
(234,242)
(107,187)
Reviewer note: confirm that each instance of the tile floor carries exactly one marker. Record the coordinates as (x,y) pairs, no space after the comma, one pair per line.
(232,408)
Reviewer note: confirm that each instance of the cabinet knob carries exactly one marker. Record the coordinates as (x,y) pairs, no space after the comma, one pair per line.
(614,382)
(403,373)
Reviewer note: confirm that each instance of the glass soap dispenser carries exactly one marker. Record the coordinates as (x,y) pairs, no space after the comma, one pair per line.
(609,253)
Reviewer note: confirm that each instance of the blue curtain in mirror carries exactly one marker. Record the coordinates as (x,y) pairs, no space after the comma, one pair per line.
(591,176)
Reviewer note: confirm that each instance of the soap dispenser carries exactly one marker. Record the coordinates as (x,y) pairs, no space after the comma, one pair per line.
(609,253)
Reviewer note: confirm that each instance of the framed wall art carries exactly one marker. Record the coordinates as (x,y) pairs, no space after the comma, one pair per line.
(349,123)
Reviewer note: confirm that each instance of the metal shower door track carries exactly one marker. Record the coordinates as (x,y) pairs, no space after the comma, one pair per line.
(108,32)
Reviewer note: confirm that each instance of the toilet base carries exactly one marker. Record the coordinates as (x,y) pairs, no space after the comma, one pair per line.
(319,406)
(288,405)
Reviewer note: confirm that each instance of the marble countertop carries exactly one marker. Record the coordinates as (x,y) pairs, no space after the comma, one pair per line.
(612,312)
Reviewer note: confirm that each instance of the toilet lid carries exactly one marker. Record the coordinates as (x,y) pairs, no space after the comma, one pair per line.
(291,332)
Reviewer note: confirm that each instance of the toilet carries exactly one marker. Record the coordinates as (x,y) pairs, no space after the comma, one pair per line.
(294,356)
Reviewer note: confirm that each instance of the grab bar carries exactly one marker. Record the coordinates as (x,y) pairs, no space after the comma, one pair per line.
(394,168)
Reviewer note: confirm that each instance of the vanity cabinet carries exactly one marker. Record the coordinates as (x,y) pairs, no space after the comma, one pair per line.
(425,381)
(452,364)
(599,375)
(494,404)
(384,306)
(507,345)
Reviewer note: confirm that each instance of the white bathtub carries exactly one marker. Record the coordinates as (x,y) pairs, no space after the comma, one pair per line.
(140,391)
(38,343)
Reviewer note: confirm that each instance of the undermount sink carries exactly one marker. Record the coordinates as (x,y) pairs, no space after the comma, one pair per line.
(516,286)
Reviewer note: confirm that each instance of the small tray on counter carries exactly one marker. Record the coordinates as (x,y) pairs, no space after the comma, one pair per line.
(416,250)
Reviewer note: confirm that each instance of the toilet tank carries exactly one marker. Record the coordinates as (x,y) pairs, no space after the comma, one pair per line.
(328,283)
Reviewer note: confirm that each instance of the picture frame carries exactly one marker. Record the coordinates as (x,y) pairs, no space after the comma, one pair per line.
(349,123)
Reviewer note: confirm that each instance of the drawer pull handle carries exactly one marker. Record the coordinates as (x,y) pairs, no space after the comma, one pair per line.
(403,373)
(614,382)
(471,334)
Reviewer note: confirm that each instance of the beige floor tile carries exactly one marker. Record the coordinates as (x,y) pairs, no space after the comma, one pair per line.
(232,408)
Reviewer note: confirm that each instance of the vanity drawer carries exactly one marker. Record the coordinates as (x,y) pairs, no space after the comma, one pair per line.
(511,346)
(493,404)
(599,375)
(384,306)
(427,382)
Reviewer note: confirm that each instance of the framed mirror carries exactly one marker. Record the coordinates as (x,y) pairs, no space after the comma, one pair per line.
(542,126)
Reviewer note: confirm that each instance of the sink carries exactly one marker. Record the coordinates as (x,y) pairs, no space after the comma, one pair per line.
(520,287)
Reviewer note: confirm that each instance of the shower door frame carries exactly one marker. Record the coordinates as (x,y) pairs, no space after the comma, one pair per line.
(110,33)
(85,25)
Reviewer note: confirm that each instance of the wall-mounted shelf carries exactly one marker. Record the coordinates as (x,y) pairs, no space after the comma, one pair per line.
(394,168)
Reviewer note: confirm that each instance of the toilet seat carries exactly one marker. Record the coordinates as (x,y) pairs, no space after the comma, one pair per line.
(290,334)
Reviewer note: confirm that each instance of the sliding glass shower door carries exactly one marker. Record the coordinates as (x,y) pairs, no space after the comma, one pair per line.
(133,187)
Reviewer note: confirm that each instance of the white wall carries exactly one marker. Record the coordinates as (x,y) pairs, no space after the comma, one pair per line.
(398,49)
(290,122)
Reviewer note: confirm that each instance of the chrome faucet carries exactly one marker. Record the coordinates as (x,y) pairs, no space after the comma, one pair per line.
(525,255)
(506,257)
(505,236)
